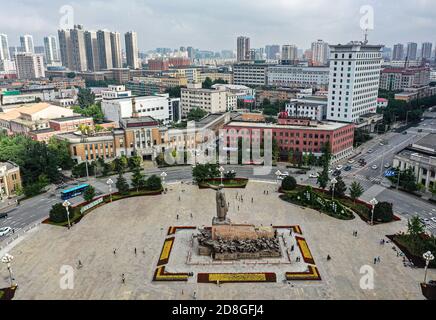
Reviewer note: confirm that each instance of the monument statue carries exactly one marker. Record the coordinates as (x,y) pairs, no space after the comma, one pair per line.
(221,206)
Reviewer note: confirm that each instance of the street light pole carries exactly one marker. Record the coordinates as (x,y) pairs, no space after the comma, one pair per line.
(163,176)
(66,204)
(109,182)
(221,170)
(428,256)
(333,182)
(278,174)
(373,203)
(7,259)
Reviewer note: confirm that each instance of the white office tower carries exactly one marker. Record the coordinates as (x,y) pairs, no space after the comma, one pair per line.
(27,43)
(4,47)
(132,50)
(117,58)
(51,50)
(29,65)
(426,50)
(320,51)
(243,49)
(353,81)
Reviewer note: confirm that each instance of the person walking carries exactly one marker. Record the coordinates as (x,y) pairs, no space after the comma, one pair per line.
(195,295)
(375,260)
(123,278)
(80,264)
(115,251)
(177,216)
(135,251)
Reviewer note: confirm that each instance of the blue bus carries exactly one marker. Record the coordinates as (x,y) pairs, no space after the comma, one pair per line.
(74,192)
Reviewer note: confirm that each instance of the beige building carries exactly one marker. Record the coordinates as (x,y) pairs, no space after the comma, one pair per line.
(216,76)
(29,65)
(10,179)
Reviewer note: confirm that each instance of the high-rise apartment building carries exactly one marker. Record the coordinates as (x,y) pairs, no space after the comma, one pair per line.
(78,49)
(64,37)
(412,51)
(354,80)
(105,49)
(51,50)
(92,56)
(398,53)
(27,43)
(29,65)
(243,49)
(426,50)
(319,53)
(132,53)
(4,47)
(289,52)
(117,59)
(272,51)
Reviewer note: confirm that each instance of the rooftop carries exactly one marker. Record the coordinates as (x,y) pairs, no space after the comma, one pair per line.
(9,165)
(428,143)
(327,126)
(64,119)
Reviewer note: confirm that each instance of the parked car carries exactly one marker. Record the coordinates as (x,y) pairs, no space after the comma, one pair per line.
(3,215)
(369,151)
(404,132)
(351,161)
(337,173)
(339,167)
(4,231)
(374,167)
(314,175)
(433,219)
(347,168)
(387,165)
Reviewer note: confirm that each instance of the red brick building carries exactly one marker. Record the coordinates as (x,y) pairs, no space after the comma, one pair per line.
(158,64)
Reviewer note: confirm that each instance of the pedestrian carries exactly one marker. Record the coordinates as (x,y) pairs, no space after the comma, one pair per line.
(177,217)
(13,231)
(115,251)
(252,200)
(292,248)
(135,251)
(195,295)
(191,215)
(238,208)
(375,260)
(378,259)
(123,279)
(356,233)
(328,257)
(80,264)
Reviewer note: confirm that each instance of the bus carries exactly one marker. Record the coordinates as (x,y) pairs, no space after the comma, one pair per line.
(74,192)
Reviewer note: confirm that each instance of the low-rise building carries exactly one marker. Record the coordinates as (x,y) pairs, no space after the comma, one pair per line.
(296,76)
(401,78)
(250,74)
(275,95)
(10,179)
(313,107)
(421,157)
(413,93)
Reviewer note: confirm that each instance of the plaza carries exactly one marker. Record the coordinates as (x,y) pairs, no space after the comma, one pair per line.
(143,223)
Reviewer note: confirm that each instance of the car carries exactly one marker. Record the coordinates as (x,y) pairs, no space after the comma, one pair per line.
(286,173)
(3,215)
(419,130)
(347,168)
(336,173)
(330,170)
(374,167)
(351,161)
(433,219)
(4,231)
(339,167)
(280,177)
(387,165)
(382,144)
(424,124)
(370,151)
(314,175)
(404,132)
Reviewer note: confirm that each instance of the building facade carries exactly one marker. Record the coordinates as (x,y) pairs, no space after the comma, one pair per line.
(29,65)
(293,76)
(10,180)
(250,74)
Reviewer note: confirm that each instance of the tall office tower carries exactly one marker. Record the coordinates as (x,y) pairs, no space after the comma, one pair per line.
(191,53)
(320,53)
(132,53)
(51,49)
(92,56)
(117,57)
(398,53)
(242,48)
(412,50)
(4,47)
(289,52)
(272,51)
(65,48)
(426,50)
(29,65)
(253,53)
(104,49)
(27,43)
(353,81)
(78,52)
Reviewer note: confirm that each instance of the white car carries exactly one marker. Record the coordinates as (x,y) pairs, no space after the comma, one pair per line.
(281,177)
(286,173)
(314,175)
(339,167)
(433,219)
(374,167)
(370,151)
(387,165)
(330,170)
(351,161)
(4,231)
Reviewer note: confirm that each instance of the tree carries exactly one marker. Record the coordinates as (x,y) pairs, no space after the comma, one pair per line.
(340,187)
(120,164)
(174,92)
(323,178)
(153,183)
(85,98)
(138,179)
(58,213)
(356,190)
(415,227)
(202,172)
(326,154)
(383,212)
(289,183)
(196,114)
(93,111)
(89,194)
(122,185)
(61,148)
(207,83)
(71,75)
(134,162)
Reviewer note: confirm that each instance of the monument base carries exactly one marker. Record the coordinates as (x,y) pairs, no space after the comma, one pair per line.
(218,221)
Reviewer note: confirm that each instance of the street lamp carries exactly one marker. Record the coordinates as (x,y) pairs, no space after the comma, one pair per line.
(278,174)
(333,182)
(221,170)
(66,204)
(428,256)
(7,259)
(373,202)
(109,182)
(163,176)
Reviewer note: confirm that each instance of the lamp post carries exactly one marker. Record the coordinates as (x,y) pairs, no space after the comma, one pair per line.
(7,259)
(333,182)
(373,202)
(66,204)
(278,174)
(221,170)
(109,182)
(163,176)
(428,256)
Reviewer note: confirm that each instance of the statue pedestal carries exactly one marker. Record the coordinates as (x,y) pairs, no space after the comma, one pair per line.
(218,221)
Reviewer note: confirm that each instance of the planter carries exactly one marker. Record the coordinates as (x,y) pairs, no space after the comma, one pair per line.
(228,183)
(429,290)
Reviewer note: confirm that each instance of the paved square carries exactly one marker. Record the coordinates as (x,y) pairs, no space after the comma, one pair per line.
(143,223)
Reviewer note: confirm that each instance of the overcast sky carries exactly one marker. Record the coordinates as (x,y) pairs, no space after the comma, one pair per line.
(215,24)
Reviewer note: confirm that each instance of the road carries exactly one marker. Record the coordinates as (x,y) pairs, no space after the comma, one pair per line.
(35,209)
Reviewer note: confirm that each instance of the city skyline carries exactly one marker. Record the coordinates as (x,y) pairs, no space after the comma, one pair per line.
(179,24)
